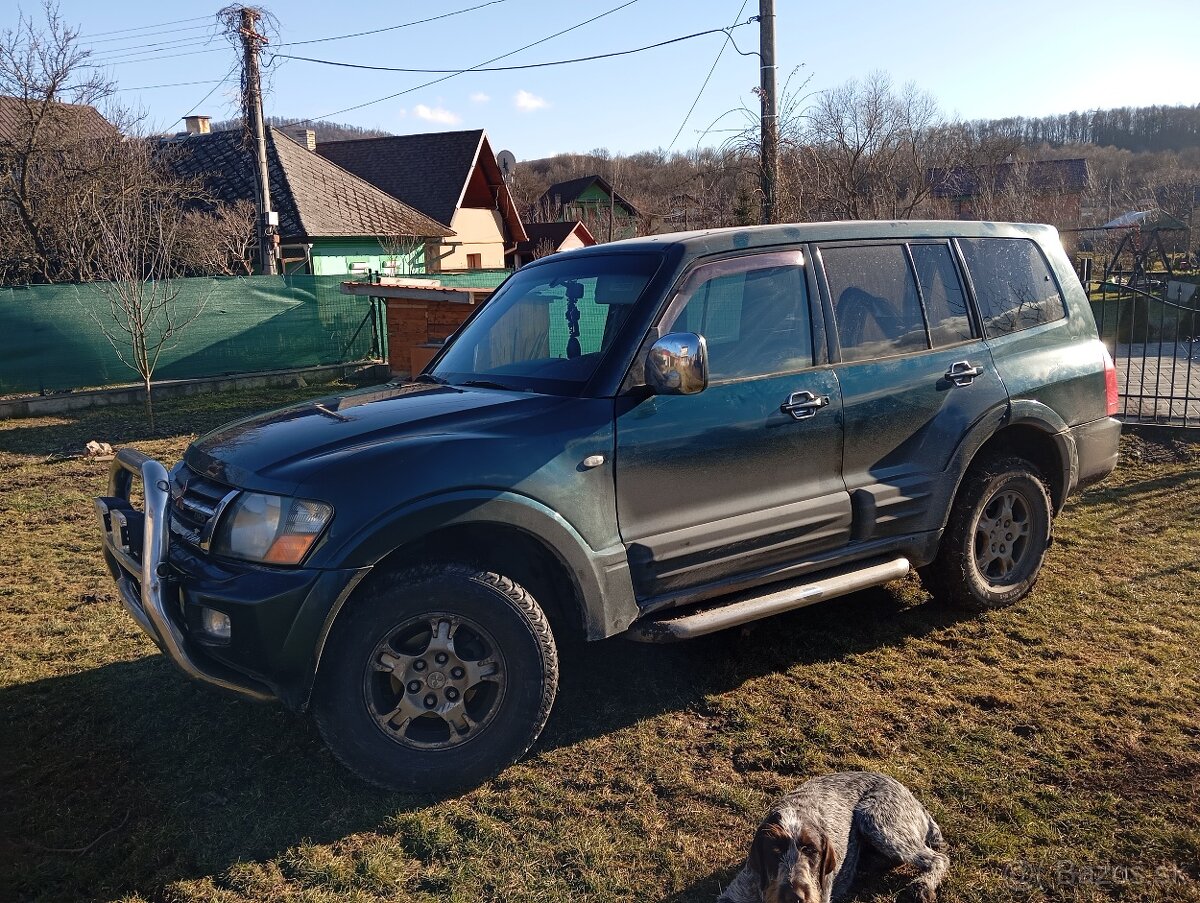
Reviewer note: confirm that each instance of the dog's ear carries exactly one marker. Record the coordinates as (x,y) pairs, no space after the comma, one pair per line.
(766,851)
(817,841)
(828,856)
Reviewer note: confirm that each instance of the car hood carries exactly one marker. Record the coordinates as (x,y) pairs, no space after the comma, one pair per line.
(279,450)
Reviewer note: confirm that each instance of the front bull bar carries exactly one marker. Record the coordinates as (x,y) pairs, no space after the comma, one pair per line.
(143,584)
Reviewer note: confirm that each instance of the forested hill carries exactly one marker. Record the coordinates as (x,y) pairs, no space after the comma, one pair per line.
(1129,128)
(326,131)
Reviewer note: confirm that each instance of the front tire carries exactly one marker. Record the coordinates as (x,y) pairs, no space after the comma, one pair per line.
(436,679)
(996,538)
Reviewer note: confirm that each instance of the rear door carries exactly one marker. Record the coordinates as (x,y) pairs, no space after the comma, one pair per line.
(915,376)
(746,475)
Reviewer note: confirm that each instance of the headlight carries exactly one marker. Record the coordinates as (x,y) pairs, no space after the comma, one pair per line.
(270,528)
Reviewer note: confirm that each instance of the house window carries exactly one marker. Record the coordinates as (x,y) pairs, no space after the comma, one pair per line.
(474,261)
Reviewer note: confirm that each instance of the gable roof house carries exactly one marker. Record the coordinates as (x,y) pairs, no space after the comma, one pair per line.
(550,238)
(589,199)
(65,123)
(330,221)
(1044,191)
(451,177)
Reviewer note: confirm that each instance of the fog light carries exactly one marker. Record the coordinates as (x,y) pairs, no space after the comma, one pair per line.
(215,624)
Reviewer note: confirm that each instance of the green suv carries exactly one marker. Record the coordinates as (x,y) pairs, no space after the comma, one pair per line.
(657,439)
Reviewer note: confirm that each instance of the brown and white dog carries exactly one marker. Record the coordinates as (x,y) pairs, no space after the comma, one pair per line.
(808,848)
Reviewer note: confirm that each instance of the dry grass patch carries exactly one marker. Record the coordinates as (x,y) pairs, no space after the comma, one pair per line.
(1057,741)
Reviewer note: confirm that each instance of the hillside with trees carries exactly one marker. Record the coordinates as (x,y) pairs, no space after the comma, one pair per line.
(870,150)
(325,130)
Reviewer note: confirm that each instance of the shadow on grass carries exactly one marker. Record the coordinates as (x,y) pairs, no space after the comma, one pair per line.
(120,779)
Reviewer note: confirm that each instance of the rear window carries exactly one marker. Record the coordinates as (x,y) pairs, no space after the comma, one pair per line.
(875,301)
(945,302)
(1013,284)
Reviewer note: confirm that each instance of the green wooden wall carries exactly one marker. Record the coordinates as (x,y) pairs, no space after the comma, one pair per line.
(337,256)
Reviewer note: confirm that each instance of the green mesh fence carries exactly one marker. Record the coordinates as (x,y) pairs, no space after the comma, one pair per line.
(48,341)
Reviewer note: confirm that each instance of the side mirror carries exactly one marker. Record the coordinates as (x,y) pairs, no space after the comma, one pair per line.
(678,364)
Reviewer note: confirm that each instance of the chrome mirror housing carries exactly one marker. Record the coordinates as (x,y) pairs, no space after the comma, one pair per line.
(678,364)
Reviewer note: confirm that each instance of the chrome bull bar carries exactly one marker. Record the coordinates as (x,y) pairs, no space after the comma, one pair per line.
(142,581)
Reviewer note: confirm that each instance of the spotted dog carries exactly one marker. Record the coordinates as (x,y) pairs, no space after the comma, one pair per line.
(809,847)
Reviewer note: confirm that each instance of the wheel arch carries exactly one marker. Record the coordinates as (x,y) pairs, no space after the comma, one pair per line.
(585,593)
(1033,431)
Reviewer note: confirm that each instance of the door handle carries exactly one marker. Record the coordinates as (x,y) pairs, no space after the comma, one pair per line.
(802,405)
(961,373)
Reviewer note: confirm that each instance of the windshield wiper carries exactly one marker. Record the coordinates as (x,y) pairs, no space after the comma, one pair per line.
(486,384)
(430,378)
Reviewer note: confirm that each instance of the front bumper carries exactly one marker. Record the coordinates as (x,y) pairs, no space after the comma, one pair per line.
(137,545)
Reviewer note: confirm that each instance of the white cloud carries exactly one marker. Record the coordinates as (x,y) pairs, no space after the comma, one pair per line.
(436,114)
(527,102)
(479,97)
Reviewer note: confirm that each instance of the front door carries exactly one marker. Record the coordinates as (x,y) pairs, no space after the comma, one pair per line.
(915,377)
(745,476)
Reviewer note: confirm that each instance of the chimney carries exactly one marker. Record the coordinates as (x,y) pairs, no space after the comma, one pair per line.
(307,137)
(198,125)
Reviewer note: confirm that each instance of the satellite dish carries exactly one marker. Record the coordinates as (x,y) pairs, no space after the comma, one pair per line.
(508,164)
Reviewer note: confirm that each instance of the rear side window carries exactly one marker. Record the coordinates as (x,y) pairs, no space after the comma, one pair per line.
(1013,284)
(945,302)
(753,313)
(875,301)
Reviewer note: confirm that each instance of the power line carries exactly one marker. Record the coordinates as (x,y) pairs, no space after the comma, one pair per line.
(117,53)
(155,59)
(143,27)
(359,34)
(581,59)
(150,35)
(707,78)
(202,100)
(174,85)
(469,68)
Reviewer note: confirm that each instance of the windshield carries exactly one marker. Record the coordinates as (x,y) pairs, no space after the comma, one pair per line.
(549,326)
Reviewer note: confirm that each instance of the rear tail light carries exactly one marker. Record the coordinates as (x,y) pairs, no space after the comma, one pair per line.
(1111,396)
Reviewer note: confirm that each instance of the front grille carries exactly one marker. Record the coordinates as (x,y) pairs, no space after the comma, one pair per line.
(196,502)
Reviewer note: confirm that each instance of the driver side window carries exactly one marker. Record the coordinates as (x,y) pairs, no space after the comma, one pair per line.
(753,313)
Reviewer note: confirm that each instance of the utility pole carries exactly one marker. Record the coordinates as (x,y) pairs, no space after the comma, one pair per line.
(252,43)
(769,119)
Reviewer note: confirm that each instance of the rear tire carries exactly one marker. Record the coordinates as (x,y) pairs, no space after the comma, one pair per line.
(437,679)
(996,538)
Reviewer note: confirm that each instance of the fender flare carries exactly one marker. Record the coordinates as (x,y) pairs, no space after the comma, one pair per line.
(1019,412)
(601,577)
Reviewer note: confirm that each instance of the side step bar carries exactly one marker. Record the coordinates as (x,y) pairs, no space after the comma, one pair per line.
(766,601)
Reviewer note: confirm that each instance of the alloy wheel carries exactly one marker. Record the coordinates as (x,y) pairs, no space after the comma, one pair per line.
(435,681)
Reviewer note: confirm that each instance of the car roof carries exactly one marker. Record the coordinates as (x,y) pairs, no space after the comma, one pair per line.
(737,238)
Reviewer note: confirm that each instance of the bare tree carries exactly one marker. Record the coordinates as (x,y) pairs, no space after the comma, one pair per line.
(543,248)
(141,235)
(399,251)
(49,156)
(217,241)
(867,150)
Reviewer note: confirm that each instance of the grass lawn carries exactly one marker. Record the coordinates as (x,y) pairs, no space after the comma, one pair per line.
(1057,742)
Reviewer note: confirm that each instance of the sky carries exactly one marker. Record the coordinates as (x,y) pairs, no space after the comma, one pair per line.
(979,60)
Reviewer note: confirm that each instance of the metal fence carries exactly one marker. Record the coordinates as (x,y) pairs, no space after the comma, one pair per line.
(1155,343)
(49,339)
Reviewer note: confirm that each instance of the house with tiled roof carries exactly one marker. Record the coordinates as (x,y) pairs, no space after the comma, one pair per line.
(331,222)
(451,177)
(550,238)
(592,200)
(1055,188)
(58,123)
